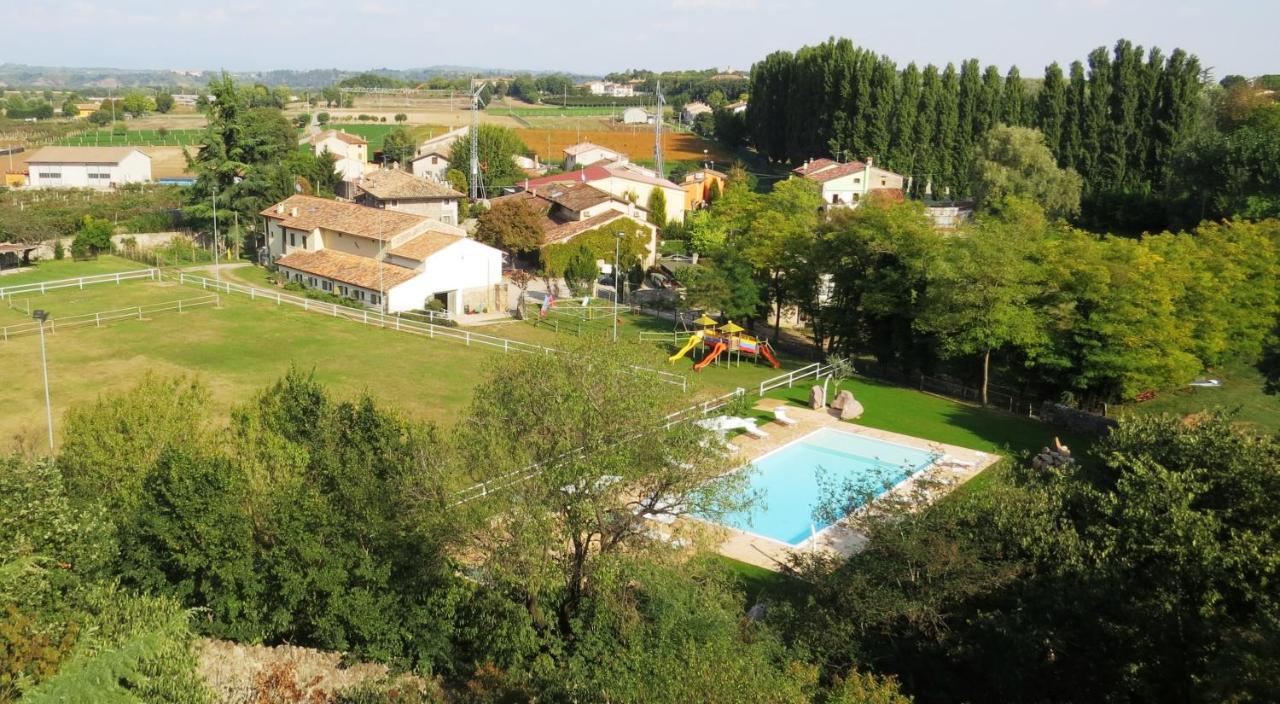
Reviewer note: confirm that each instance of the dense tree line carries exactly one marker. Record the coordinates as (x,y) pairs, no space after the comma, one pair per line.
(1058,311)
(1117,119)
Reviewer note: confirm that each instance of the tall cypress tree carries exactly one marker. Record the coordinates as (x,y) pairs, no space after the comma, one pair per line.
(902,155)
(1072,127)
(1148,113)
(1122,125)
(989,103)
(1051,109)
(926,126)
(883,95)
(947,140)
(1013,99)
(967,122)
(1094,127)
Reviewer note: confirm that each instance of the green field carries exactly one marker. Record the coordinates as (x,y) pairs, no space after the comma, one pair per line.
(68,268)
(553,110)
(134,138)
(375,133)
(1241,392)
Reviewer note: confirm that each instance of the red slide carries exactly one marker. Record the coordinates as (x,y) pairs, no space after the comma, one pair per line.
(715,352)
(768,354)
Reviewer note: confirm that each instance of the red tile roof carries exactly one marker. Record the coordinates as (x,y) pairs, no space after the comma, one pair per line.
(347,268)
(347,218)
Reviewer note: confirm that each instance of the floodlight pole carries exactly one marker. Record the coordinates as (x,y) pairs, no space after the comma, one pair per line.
(217,270)
(41,316)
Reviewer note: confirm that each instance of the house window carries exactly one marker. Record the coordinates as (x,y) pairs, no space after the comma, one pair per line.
(446,219)
(326,285)
(49,175)
(99,175)
(857,179)
(435,160)
(292,241)
(344,290)
(375,299)
(881,182)
(304,241)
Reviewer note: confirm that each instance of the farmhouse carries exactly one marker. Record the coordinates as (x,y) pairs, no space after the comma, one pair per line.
(692,110)
(588,153)
(737,107)
(847,184)
(571,208)
(87,167)
(636,116)
(351,151)
(628,182)
(611,89)
(392,189)
(381,258)
(433,166)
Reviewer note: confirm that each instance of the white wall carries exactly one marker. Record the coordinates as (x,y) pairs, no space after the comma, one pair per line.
(134,168)
(432,168)
(589,157)
(620,186)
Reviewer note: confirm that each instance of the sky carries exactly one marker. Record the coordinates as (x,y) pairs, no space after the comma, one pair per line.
(598,36)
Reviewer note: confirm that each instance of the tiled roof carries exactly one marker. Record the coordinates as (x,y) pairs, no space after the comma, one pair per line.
(347,218)
(813,166)
(582,147)
(339,135)
(348,269)
(423,246)
(574,196)
(833,172)
(386,184)
(81,155)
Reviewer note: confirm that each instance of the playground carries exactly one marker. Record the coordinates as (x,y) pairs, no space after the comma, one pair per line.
(726,343)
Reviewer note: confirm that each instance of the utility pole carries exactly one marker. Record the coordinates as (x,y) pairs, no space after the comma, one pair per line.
(657,133)
(477,187)
(41,316)
(617,242)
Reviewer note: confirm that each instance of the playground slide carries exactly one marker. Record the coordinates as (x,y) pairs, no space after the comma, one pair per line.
(715,352)
(768,354)
(693,342)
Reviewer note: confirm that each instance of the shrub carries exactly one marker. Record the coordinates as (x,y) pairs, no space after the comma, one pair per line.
(59,252)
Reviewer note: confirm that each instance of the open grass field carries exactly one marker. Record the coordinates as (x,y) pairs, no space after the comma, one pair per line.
(69,269)
(1242,392)
(135,138)
(636,143)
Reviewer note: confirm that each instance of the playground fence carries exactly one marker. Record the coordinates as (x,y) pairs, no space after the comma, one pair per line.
(52,325)
(364,316)
(815,370)
(78,282)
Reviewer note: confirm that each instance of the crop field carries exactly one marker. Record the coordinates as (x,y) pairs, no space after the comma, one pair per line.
(375,133)
(135,138)
(636,144)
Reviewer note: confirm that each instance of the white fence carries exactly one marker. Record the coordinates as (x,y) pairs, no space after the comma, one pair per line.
(394,322)
(815,370)
(79,282)
(53,325)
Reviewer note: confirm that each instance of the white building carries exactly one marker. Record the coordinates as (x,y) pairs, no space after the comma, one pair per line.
(368,254)
(392,189)
(87,167)
(692,110)
(351,152)
(588,153)
(611,89)
(848,184)
(636,116)
(433,166)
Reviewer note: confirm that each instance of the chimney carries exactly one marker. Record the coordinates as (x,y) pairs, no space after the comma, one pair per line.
(279,208)
(526,184)
(293,212)
(871,161)
(584,175)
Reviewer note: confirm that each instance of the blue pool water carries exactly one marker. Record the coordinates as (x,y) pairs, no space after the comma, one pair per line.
(787,479)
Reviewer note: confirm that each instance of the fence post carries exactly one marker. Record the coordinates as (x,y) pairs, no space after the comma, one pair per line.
(304,304)
(97,320)
(179,305)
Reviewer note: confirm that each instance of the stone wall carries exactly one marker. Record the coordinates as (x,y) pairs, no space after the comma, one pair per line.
(145,240)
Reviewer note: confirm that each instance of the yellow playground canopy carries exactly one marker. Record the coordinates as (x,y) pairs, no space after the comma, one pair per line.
(705,320)
(731,328)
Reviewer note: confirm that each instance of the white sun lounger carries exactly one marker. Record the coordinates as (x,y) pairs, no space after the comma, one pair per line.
(780,415)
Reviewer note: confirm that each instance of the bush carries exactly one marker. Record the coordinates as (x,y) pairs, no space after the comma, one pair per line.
(59,252)
(322,118)
(119,128)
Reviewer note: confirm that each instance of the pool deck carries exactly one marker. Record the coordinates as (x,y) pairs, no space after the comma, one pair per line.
(839,538)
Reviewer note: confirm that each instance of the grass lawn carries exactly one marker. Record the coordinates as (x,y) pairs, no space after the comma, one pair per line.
(1242,391)
(68,268)
(234,351)
(135,138)
(757,583)
(97,298)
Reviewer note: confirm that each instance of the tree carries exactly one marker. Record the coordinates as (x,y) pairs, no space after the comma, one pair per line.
(164,102)
(657,207)
(981,298)
(401,117)
(69,107)
(728,285)
(1013,161)
(581,271)
(137,103)
(322,118)
(398,147)
(511,224)
(498,148)
(94,236)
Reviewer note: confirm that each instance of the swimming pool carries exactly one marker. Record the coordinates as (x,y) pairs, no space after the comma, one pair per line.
(787,479)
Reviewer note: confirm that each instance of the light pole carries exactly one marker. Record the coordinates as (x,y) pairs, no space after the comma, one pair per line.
(217,271)
(41,315)
(617,243)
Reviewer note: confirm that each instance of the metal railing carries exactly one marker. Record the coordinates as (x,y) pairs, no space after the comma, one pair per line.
(365,316)
(662,336)
(78,282)
(815,370)
(52,325)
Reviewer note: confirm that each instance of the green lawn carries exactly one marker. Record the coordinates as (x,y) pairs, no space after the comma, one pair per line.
(1242,391)
(68,268)
(97,298)
(134,138)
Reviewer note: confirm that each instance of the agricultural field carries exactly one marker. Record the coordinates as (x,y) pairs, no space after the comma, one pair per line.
(374,133)
(636,142)
(159,137)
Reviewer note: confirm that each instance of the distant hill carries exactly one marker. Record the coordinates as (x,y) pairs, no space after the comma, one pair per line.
(24,76)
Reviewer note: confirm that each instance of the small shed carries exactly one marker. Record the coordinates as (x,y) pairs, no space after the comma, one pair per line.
(636,116)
